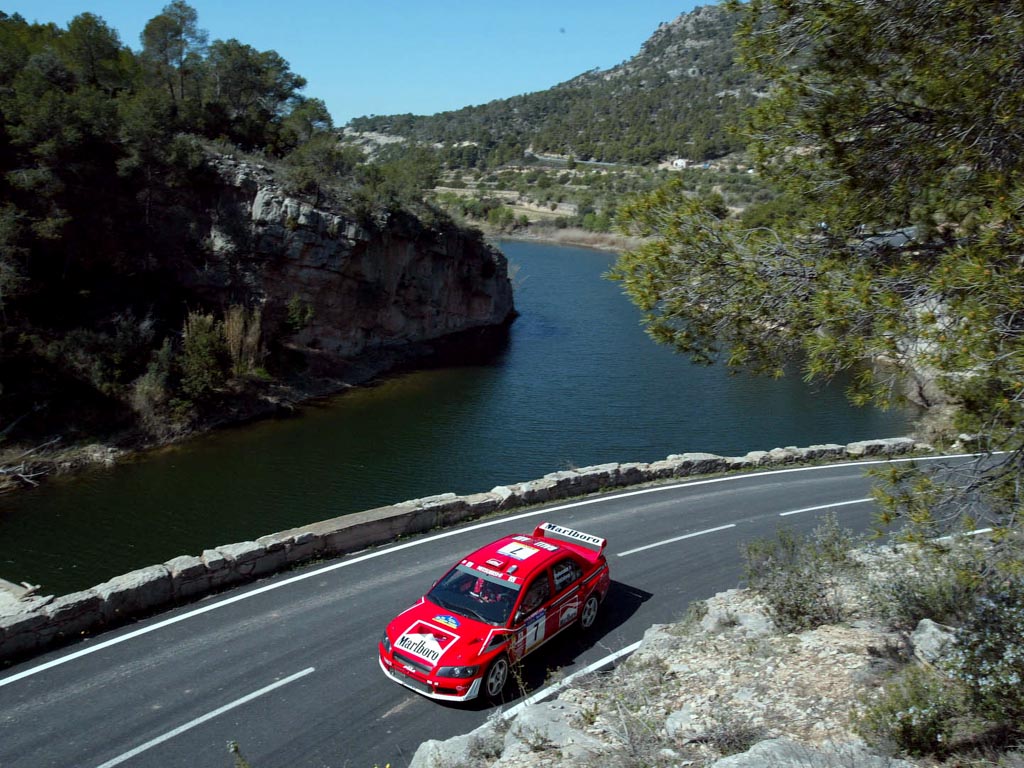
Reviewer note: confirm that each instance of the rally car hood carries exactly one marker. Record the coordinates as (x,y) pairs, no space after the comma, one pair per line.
(432,635)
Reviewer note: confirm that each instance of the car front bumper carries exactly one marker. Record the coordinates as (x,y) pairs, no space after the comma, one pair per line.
(432,689)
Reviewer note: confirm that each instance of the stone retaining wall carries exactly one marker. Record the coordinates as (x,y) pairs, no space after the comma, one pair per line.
(33,623)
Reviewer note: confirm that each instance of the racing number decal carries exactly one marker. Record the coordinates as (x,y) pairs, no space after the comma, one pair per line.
(533,632)
(517,551)
(535,626)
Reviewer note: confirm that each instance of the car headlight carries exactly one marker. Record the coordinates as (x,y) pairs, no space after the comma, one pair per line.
(385,642)
(457,671)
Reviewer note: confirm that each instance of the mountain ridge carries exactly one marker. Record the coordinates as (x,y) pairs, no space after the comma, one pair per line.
(675,97)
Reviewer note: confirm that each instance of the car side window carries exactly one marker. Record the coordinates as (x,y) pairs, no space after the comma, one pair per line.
(566,572)
(538,591)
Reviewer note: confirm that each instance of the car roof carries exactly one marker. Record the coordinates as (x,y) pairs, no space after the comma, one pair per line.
(516,558)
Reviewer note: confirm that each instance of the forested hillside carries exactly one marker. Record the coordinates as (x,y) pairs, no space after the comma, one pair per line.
(107,177)
(676,98)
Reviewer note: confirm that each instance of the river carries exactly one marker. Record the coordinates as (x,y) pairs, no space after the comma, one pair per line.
(579,383)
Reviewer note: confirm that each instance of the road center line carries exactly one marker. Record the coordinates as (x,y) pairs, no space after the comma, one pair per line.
(674,539)
(208,716)
(350,560)
(825,506)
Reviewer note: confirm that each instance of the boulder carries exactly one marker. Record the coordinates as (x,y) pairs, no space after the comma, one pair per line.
(551,724)
(931,641)
(478,747)
(783,753)
(733,610)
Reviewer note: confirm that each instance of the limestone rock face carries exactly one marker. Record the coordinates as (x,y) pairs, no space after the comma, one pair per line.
(336,288)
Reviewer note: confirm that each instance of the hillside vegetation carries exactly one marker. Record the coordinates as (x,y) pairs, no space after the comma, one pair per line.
(105,182)
(677,97)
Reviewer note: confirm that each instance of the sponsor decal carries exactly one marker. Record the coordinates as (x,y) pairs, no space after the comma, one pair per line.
(569,533)
(490,571)
(449,621)
(568,613)
(495,563)
(537,543)
(425,641)
(517,551)
(538,616)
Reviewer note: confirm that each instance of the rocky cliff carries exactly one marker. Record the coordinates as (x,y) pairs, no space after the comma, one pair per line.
(340,290)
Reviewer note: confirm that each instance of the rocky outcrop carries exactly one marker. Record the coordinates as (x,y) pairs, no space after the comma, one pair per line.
(30,623)
(338,288)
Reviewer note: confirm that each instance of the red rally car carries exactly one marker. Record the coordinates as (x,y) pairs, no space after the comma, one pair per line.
(494,607)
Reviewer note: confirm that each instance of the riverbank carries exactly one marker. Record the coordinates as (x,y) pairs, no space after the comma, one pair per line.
(23,466)
(580,238)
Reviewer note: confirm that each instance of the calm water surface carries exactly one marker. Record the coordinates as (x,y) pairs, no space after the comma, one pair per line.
(578,384)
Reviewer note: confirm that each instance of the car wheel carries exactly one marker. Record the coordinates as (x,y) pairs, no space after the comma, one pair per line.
(589,615)
(496,677)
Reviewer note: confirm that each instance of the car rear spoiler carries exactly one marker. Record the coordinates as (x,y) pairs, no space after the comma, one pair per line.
(551,531)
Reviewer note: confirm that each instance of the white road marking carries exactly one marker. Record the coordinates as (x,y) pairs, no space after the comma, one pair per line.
(418,542)
(975,532)
(825,506)
(676,538)
(200,720)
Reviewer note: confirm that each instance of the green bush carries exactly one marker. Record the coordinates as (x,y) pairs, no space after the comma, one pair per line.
(942,587)
(915,714)
(988,658)
(299,314)
(203,354)
(151,392)
(796,574)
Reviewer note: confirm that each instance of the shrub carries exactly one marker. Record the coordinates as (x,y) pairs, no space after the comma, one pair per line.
(942,586)
(151,391)
(300,313)
(988,658)
(242,337)
(730,733)
(202,353)
(915,714)
(796,575)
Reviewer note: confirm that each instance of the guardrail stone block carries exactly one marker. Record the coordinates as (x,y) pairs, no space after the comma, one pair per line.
(243,557)
(219,569)
(889,446)
(22,631)
(135,592)
(75,613)
(189,576)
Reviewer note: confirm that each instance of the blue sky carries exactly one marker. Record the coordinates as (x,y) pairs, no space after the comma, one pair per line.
(421,56)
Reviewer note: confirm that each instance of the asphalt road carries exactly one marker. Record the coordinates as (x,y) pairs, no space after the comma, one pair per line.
(287,667)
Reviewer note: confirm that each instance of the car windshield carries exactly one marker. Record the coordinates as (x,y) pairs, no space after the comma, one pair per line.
(476,595)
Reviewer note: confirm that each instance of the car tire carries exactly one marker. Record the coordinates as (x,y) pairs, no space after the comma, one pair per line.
(589,613)
(496,677)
